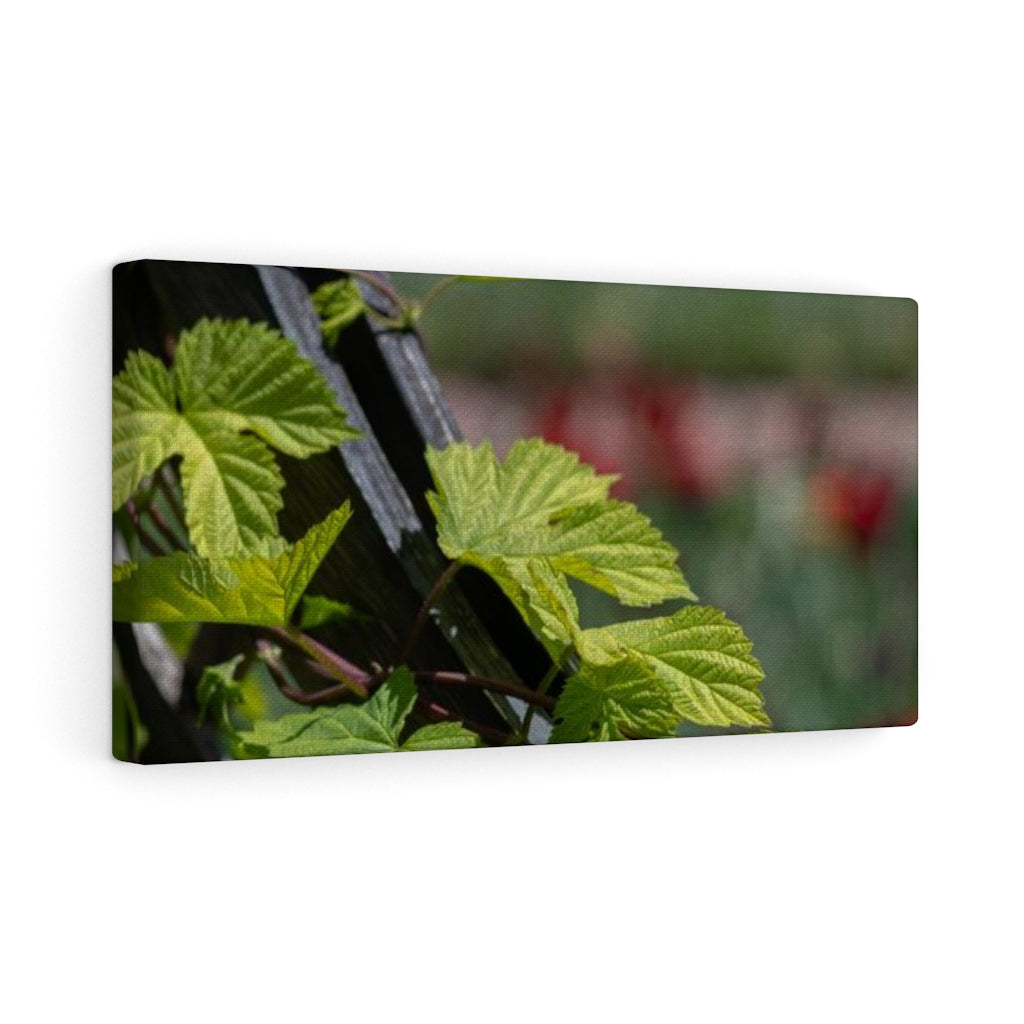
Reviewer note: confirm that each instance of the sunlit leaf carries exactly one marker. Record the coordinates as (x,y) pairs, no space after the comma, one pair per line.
(260,588)
(614,702)
(543,516)
(316,610)
(373,727)
(236,387)
(702,657)
(339,303)
(217,689)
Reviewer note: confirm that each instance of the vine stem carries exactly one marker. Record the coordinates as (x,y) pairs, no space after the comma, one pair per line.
(436,712)
(437,289)
(432,710)
(161,524)
(148,542)
(351,677)
(429,601)
(172,499)
(382,286)
(267,653)
(531,697)
(329,694)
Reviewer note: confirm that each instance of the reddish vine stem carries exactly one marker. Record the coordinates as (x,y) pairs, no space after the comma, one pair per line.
(317,698)
(434,711)
(267,654)
(148,542)
(161,524)
(172,498)
(317,669)
(351,677)
(429,601)
(382,286)
(495,685)
(437,712)
(330,694)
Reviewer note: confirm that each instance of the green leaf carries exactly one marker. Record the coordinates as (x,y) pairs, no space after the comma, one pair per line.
(232,489)
(613,547)
(180,636)
(339,304)
(145,422)
(229,376)
(613,702)
(121,739)
(547,603)
(129,734)
(701,656)
(540,517)
(261,588)
(217,689)
(442,736)
(122,570)
(322,611)
(478,501)
(372,727)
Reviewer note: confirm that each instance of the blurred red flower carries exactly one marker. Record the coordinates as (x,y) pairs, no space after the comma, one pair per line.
(858,503)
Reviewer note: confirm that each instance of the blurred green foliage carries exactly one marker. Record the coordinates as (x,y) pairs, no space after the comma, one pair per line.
(487,327)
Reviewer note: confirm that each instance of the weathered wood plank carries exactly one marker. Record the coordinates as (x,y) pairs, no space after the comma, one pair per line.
(374,411)
(407,400)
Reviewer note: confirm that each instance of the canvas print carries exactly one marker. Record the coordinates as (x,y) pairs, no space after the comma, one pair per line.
(362,512)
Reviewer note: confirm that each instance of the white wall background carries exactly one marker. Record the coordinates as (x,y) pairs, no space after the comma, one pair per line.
(866,147)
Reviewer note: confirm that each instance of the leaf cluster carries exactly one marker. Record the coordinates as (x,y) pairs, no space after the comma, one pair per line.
(538,522)
(339,303)
(260,587)
(236,390)
(373,727)
(541,518)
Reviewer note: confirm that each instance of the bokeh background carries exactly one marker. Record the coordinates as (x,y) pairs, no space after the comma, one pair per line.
(771,436)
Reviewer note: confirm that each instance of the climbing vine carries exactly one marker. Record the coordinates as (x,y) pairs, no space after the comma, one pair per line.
(196,494)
